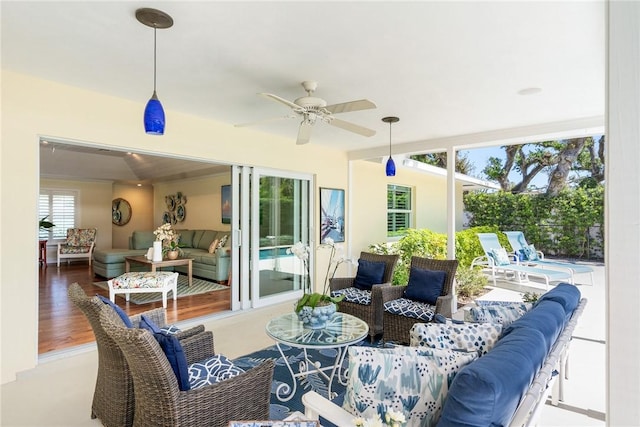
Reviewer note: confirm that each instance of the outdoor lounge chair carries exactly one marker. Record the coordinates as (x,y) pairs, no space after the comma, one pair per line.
(493,260)
(519,243)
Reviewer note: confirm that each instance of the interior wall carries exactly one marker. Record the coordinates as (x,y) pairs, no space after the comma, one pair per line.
(141,201)
(202,210)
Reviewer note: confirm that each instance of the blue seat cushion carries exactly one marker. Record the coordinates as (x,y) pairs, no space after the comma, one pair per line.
(212,370)
(369,273)
(565,294)
(354,295)
(409,308)
(172,348)
(425,285)
(547,317)
(117,309)
(487,391)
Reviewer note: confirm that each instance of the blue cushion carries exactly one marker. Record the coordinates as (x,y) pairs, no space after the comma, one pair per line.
(215,369)
(546,317)
(121,313)
(425,285)
(530,253)
(566,294)
(369,273)
(487,391)
(172,348)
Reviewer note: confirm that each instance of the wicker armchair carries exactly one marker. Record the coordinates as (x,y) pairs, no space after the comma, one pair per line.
(113,399)
(371,313)
(396,327)
(160,402)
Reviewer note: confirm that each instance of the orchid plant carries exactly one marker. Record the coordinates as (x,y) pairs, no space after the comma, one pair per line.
(313,299)
(169,238)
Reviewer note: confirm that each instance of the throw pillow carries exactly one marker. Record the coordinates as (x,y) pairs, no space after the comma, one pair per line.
(213,246)
(425,285)
(223,241)
(411,380)
(369,273)
(530,253)
(121,313)
(498,313)
(172,348)
(500,256)
(478,337)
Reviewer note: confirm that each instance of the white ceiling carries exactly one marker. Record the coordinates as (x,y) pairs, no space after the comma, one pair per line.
(445,68)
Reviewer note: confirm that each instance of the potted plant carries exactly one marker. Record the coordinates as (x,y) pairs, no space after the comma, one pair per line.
(44,224)
(169,238)
(315,308)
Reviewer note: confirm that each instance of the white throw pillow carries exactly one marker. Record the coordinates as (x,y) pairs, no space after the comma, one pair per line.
(476,337)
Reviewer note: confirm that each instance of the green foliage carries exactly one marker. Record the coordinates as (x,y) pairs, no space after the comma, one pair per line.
(470,281)
(43,223)
(559,225)
(530,297)
(315,299)
(468,245)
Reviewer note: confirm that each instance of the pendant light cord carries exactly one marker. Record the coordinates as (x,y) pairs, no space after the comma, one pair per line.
(389,139)
(155,30)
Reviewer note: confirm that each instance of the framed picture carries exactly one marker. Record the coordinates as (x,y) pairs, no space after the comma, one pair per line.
(225,204)
(331,214)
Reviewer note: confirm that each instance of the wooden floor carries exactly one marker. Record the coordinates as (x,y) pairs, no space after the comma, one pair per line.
(62,325)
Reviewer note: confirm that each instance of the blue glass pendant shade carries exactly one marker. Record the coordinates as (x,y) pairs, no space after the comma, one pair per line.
(391,167)
(154,116)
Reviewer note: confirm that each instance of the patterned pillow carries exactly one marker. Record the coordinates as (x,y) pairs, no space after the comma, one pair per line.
(496,313)
(354,295)
(500,256)
(478,337)
(214,369)
(213,246)
(223,241)
(409,308)
(411,380)
(531,253)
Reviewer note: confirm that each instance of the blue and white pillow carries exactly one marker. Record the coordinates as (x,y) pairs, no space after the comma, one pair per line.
(469,337)
(410,380)
(214,369)
(497,313)
(354,295)
(531,253)
(500,256)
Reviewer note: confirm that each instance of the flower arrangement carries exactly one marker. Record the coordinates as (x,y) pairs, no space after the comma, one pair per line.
(314,299)
(169,238)
(391,419)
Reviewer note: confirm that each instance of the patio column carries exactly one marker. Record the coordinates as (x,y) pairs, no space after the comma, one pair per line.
(451,214)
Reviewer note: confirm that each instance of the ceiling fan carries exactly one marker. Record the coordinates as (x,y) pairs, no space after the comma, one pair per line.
(311,109)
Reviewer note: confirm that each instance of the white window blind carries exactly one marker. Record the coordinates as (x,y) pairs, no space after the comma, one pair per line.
(59,206)
(399,214)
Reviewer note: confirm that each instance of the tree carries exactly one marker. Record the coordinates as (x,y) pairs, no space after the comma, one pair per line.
(463,165)
(557,158)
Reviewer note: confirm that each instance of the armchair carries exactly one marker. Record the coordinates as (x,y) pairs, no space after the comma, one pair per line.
(403,310)
(159,401)
(362,303)
(79,244)
(113,400)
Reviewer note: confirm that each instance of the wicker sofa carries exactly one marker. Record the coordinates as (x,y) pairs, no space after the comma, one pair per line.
(109,263)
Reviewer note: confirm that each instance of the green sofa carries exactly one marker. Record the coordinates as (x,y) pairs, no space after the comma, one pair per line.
(109,263)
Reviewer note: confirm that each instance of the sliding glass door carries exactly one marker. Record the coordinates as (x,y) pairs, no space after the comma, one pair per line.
(279,215)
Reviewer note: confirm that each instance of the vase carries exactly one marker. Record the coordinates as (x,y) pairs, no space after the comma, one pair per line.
(157,251)
(172,254)
(316,317)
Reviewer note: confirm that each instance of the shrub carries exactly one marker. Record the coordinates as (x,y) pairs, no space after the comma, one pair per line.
(470,282)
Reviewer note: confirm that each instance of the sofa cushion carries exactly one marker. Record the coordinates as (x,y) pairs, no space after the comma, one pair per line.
(212,370)
(477,337)
(111,256)
(565,294)
(172,349)
(207,237)
(142,239)
(408,308)
(410,380)
(354,295)
(487,391)
(547,317)
(186,238)
(425,285)
(498,313)
(369,273)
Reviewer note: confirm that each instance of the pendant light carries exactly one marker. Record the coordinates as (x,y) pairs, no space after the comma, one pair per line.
(391,166)
(154,113)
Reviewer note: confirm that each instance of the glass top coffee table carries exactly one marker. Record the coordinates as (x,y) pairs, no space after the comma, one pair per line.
(341,331)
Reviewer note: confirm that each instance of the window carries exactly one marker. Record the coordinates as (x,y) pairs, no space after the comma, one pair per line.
(399,215)
(59,206)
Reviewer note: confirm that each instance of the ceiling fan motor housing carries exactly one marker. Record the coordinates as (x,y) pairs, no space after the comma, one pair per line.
(310,102)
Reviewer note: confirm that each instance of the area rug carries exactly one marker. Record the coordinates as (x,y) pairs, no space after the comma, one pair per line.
(281,375)
(199,286)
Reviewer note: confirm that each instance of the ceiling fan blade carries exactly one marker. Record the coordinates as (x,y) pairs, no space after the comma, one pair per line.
(304,133)
(257,122)
(288,103)
(351,127)
(345,107)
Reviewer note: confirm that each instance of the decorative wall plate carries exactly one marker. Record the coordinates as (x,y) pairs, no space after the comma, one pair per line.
(166,218)
(180,213)
(171,203)
(120,211)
